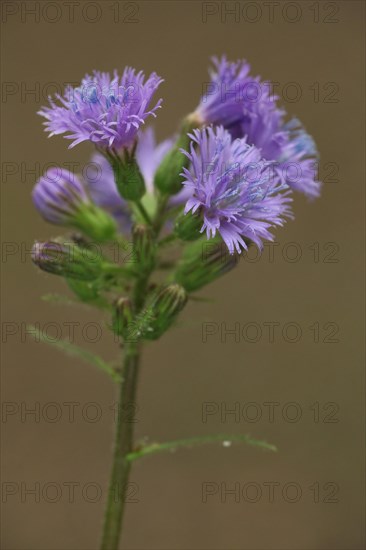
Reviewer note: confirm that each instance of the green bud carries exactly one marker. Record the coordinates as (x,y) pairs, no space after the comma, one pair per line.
(123,317)
(167,178)
(129,180)
(94,222)
(143,246)
(202,263)
(187,226)
(67,260)
(162,311)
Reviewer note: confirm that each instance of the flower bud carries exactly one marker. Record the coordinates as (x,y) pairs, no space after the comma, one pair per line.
(123,317)
(188,226)
(143,246)
(129,180)
(168,175)
(202,263)
(67,260)
(61,199)
(96,223)
(162,311)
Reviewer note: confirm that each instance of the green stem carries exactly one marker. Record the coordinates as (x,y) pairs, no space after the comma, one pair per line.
(167,240)
(159,217)
(124,431)
(143,212)
(139,293)
(123,447)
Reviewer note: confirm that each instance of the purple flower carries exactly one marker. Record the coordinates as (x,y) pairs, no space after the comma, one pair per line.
(149,155)
(61,198)
(232,94)
(245,107)
(289,145)
(234,189)
(107,111)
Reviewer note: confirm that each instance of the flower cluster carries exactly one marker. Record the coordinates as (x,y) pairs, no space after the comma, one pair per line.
(220,185)
(228,174)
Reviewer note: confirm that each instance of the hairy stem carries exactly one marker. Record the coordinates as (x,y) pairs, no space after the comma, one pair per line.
(123,447)
(159,217)
(124,444)
(143,212)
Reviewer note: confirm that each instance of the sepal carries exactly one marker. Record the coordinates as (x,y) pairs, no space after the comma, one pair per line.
(202,263)
(127,175)
(188,226)
(162,310)
(95,222)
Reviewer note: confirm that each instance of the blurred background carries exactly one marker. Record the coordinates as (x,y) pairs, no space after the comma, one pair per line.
(292,372)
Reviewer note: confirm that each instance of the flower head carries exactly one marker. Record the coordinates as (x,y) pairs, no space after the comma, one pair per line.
(245,106)
(287,144)
(62,199)
(234,189)
(232,94)
(108,111)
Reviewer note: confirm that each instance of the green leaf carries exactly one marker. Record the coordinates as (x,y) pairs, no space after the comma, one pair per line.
(61,300)
(225,439)
(88,293)
(74,351)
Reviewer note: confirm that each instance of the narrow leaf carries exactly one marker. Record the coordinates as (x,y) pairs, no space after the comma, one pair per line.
(225,439)
(74,351)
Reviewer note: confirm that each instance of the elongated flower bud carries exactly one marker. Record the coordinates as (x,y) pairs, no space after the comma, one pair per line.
(202,263)
(168,175)
(162,311)
(61,199)
(143,246)
(170,300)
(67,260)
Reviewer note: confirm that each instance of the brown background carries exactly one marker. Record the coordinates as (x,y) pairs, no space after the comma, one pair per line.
(180,372)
